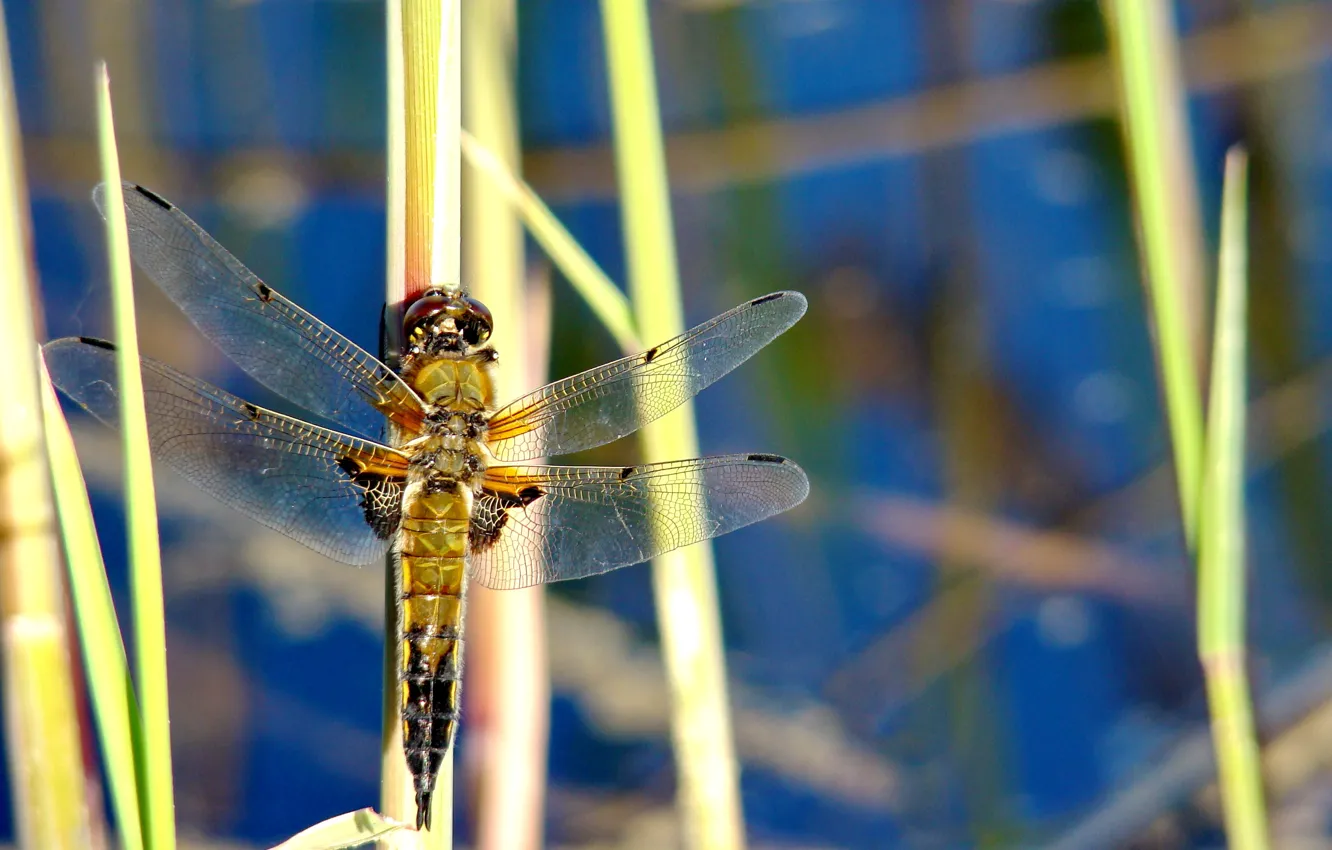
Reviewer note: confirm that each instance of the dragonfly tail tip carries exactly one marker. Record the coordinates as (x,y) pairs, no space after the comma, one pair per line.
(423,809)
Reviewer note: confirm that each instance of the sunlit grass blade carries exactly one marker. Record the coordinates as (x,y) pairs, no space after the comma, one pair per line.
(1155,127)
(1221,574)
(424,244)
(608,303)
(156,802)
(684,583)
(42,727)
(353,829)
(110,687)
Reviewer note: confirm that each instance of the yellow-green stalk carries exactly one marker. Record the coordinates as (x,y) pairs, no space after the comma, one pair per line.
(507,674)
(156,801)
(1152,96)
(424,248)
(1221,575)
(684,580)
(50,795)
(605,298)
(110,687)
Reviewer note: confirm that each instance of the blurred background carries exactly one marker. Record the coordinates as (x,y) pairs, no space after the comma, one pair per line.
(978,631)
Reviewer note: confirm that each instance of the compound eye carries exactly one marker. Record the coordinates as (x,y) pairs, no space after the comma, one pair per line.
(476,322)
(418,318)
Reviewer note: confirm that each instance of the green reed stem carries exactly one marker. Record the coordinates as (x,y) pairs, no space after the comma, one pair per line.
(156,802)
(1221,573)
(110,686)
(1156,134)
(684,581)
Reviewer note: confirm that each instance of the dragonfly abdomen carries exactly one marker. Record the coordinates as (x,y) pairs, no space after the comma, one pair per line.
(431,610)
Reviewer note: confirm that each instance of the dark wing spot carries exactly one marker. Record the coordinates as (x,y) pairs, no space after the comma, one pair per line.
(381,498)
(97,343)
(491,513)
(773,297)
(650,354)
(767,458)
(251,412)
(626,472)
(488,519)
(154,197)
(262,290)
(528,495)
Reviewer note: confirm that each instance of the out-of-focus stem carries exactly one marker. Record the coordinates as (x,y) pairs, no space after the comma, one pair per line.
(1146,53)
(41,724)
(683,581)
(1221,617)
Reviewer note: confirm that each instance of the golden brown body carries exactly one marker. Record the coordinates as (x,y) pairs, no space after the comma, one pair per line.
(447,462)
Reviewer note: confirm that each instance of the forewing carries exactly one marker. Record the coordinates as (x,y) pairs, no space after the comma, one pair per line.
(277,343)
(606,403)
(538,524)
(339,495)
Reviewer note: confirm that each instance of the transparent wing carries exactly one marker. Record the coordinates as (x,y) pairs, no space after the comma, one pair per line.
(538,524)
(606,403)
(339,495)
(280,345)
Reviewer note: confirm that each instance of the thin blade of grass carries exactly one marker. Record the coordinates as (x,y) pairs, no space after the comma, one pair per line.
(353,829)
(684,582)
(424,244)
(110,687)
(1221,575)
(608,303)
(1145,48)
(156,802)
(49,792)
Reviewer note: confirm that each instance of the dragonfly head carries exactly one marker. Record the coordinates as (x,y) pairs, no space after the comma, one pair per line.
(446,321)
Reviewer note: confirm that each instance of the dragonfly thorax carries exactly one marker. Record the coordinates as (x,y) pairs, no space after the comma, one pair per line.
(459,384)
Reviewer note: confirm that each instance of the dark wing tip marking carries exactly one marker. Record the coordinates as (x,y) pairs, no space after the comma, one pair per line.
(264,292)
(154,197)
(765,458)
(97,343)
(766,298)
(251,412)
(651,354)
(626,472)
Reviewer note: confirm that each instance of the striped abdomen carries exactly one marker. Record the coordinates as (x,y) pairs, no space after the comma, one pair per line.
(430,617)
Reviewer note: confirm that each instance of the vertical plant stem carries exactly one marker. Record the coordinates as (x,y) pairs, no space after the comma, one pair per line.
(155,780)
(106,666)
(1221,578)
(1145,48)
(396,795)
(424,247)
(508,687)
(446,212)
(684,581)
(50,798)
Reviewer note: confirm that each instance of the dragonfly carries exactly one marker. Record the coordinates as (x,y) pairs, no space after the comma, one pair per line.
(429,467)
